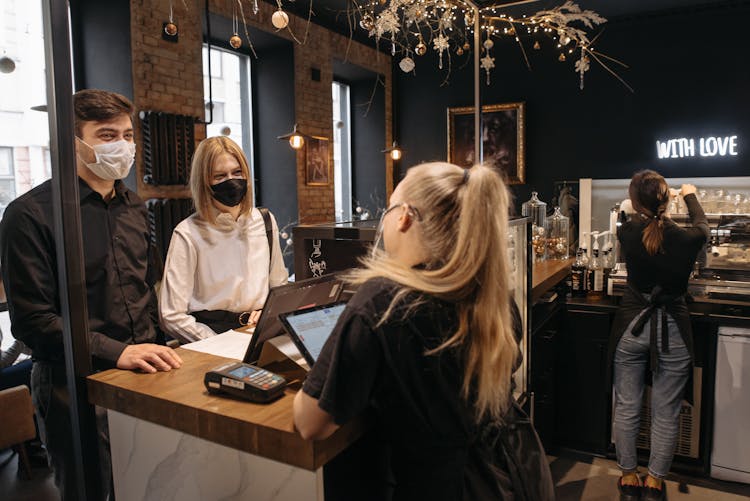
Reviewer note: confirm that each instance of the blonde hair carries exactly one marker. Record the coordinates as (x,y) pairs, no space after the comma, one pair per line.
(201,170)
(463,225)
(649,194)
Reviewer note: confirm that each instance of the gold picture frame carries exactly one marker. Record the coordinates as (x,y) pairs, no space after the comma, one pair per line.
(503,138)
(317,161)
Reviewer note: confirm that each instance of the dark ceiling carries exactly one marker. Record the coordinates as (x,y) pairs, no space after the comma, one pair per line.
(335,15)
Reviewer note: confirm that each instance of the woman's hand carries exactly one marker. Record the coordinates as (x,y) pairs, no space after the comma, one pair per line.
(688,189)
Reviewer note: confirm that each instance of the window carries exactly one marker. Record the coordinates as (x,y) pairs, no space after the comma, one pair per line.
(230,93)
(342,168)
(24,133)
(7,178)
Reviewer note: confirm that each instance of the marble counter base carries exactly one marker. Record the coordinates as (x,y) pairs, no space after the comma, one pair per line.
(152,462)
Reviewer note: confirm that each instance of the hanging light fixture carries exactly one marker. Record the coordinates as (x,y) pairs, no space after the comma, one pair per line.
(394,151)
(280,19)
(235,41)
(170,27)
(7,65)
(296,138)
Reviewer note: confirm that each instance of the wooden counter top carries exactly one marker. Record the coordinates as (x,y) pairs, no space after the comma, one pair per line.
(179,400)
(547,274)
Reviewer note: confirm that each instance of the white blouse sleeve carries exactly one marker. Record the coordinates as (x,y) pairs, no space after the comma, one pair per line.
(279,275)
(176,291)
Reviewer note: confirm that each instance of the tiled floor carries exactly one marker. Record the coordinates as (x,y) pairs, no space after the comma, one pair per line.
(575,480)
(596,481)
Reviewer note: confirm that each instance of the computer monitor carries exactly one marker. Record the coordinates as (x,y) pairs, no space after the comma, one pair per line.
(289,297)
(310,328)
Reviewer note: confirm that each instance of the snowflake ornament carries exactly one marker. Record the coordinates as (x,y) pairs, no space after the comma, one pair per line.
(387,22)
(446,20)
(487,63)
(440,43)
(582,66)
(415,13)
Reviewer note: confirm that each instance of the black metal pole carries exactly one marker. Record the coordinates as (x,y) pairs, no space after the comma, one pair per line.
(69,247)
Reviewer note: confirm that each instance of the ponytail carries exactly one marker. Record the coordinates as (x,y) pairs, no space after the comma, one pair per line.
(649,194)
(463,228)
(653,235)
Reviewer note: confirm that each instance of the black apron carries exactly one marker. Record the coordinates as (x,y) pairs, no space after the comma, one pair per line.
(654,308)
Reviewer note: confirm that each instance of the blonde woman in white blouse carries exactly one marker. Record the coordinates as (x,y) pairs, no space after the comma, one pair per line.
(219,265)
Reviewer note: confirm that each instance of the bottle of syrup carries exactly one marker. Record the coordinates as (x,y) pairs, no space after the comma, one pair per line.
(578,275)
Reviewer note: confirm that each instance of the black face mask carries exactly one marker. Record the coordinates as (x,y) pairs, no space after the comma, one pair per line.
(230,192)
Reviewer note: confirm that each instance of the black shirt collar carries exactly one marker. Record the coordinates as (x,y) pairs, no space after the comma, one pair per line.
(121,191)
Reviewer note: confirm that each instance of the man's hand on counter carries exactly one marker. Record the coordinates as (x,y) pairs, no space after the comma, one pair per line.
(149,358)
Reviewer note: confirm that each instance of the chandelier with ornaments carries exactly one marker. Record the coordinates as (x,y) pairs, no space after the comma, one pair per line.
(446,27)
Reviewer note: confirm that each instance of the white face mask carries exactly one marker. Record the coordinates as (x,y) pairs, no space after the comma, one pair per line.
(113,160)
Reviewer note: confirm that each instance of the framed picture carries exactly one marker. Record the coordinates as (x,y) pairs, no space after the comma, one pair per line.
(317,166)
(502,138)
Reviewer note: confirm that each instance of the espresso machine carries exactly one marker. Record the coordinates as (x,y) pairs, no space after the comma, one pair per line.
(723,269)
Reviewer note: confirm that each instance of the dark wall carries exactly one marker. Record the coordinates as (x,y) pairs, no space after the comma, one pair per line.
(275,161)
(367,99)
(688,70)
(101,49)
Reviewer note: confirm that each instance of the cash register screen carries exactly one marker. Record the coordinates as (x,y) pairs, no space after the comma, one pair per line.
(312,327)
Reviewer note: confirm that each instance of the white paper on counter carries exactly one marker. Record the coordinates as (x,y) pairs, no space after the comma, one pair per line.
(230,344)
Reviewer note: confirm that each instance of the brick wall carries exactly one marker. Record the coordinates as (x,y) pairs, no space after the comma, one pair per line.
(168,77)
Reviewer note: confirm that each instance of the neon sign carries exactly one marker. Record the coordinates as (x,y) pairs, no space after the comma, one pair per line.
(706,147)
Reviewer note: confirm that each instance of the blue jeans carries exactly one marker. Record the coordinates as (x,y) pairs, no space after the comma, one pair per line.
(668,385)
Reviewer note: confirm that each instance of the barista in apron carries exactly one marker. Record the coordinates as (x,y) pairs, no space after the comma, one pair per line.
(652,329)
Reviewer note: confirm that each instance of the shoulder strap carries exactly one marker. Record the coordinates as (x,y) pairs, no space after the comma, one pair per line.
(269,233)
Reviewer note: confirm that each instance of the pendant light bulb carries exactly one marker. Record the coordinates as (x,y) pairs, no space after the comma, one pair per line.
(296,141)
(280,19)
(395,152)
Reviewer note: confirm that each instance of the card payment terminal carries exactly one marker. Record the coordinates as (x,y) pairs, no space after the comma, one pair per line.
(245,381)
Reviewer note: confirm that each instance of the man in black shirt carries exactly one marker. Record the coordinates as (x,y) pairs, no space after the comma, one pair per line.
(119,279)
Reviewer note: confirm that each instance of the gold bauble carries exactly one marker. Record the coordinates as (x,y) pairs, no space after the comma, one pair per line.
(420,49)
(537,46)
(561,57)
(235,41)
(170,29)
(460,51)
(467,46)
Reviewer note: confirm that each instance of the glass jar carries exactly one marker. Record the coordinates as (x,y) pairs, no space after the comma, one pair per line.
(537,211)
(558,228)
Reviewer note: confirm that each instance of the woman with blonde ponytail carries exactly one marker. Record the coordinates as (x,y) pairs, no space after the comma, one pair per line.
(430,339)
(652,328)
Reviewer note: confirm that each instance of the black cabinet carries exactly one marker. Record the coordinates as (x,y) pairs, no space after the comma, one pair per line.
(583,396)
(546,324)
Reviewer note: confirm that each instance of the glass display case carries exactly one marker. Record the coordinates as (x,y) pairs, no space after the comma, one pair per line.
(520,262)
